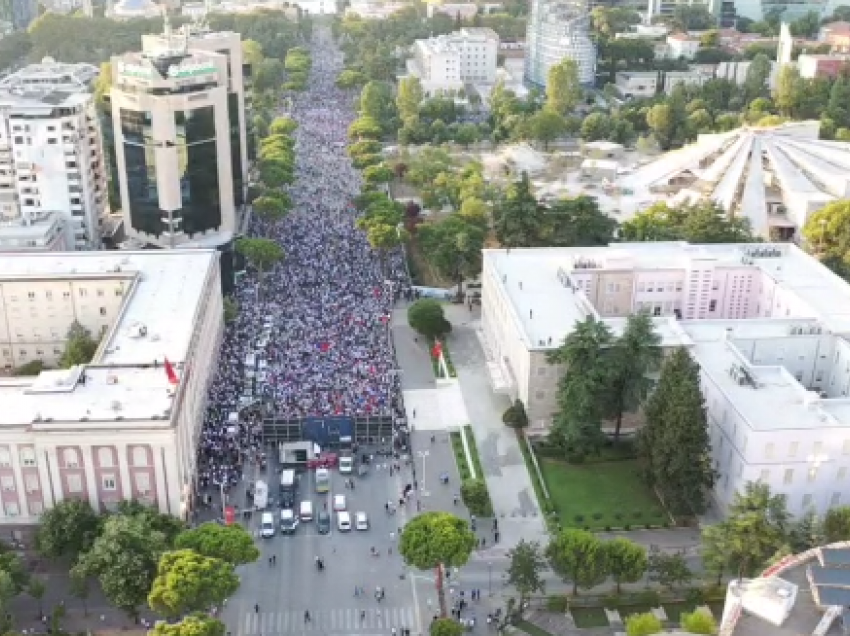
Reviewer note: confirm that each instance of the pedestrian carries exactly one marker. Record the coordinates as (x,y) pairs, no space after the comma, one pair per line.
(362,615)
(496,537)
(495,524)
(307,617)
(256,608)
(274,559)
(414,414)
(455,499)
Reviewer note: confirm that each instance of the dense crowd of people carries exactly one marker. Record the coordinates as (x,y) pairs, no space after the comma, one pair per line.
(329,350)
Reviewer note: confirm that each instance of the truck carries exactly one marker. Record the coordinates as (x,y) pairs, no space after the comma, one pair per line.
(261,495)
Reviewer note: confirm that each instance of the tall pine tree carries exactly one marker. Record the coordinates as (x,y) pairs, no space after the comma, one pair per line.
(577,424)
(674,442)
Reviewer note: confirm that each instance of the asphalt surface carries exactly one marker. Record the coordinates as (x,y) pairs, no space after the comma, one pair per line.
(273,598)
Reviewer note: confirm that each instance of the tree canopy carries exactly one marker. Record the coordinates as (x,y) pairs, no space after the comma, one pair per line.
(578,556)
(525,572)
(190,582)
(68,529)
(192,625)
(703,222)
(232,544)
(426,316)
(80,346)
(432,539)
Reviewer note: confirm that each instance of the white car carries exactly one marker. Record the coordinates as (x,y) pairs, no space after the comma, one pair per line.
(343,521)
(361,521)
(346,464)
(339,503)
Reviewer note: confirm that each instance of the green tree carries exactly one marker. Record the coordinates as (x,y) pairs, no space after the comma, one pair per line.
(377,104)
(668,570)
(643,624)
(467,134)
(475,497)
(703,222)
(232,544)
(453,246)
(8,591)
(408,98)
(661,120)
(789,91)
(157,521)
(577,423)
(435,540)
(563,88)
(445,627)
(836,524)
(365,128)
(192,625)
(699,622)
(282,126)
(426,316)
(79,348)
(28,369)
(758,72)
(578,556)
(262,253)
(635,355)
(518,219)
(515,415)
(231,309)
(68,529)
(190,582)
(124,558)
(577,222)
(525,572)
(755,529)
(595,127)
(827,233)
(674,443)
(626,560)
(373,175)
(546,126)
(272,207)
(351,79)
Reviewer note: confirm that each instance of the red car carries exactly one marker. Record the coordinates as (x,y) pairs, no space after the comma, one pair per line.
(323,460)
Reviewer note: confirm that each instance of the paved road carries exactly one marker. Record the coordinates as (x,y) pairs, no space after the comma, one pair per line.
(273,598)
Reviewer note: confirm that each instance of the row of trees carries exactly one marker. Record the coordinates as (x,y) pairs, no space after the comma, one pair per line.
(139,556)
(297,66)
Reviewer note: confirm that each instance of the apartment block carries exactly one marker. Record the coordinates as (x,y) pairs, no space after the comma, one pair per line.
(449,62)
(52,173)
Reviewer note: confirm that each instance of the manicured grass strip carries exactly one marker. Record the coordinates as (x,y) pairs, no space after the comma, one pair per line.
(531,629)
(473,451)
(587,617)
(600,495)
(542,501)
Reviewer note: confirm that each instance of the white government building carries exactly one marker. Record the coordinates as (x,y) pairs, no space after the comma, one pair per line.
(116,428)
(767,324)
(449,62)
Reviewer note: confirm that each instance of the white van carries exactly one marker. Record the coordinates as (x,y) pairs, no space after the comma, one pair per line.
(267,526)
(305,512)
(343,521)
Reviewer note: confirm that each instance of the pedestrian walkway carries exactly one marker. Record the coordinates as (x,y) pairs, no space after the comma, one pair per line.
(343,621)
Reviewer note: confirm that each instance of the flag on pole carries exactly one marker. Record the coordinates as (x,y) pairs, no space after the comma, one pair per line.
(169,371)
(437,349)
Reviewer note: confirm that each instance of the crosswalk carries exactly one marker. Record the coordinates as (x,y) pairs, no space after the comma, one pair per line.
(345,620)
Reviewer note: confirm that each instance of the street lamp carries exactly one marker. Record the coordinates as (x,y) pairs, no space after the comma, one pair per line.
(490,578)
(423,454)
(223,501)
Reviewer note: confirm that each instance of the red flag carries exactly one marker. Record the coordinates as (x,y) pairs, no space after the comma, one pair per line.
(229,515)
(437,349)
(169,371)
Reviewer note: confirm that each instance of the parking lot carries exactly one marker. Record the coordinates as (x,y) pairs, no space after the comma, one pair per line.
(274,596)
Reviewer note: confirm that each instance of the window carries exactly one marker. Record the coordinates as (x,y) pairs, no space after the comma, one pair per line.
(31,482)
(768,450)
(36,507)
(835,499)
(83,292)
(712,305)
(108,482)
(807,500)
(12,509)
(540,395)
(105,458)
(541,371)
(119,291)
(789,476)
(74,483)
(845,450)
(765,475)
(140,456)
(100,293)
(5,457)
(70,458)
(27,456)
(7,482)
(842,473)
(792,449)
(818,448)
(103,311)
(813,474)
(143,483)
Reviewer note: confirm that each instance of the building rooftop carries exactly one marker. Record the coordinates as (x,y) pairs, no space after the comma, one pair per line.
(49,75)
(773,176)
(783,600)
(164,292)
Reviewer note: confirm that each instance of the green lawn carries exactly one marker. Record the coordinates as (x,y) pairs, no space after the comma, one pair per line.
(600,495)
(531,629)
(586,617)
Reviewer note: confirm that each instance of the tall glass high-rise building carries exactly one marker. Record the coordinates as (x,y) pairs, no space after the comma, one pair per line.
(559,29)
(174,134)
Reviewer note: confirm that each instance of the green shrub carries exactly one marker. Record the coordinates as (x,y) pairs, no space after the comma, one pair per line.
(556,603)
(611,601)
(475,497)
(579,519)
(597,516)
(699,622)
(648,597)
(642,625)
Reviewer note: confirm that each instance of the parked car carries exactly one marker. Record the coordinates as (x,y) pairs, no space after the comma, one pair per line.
(323,521)
(339,503)
(361,521)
